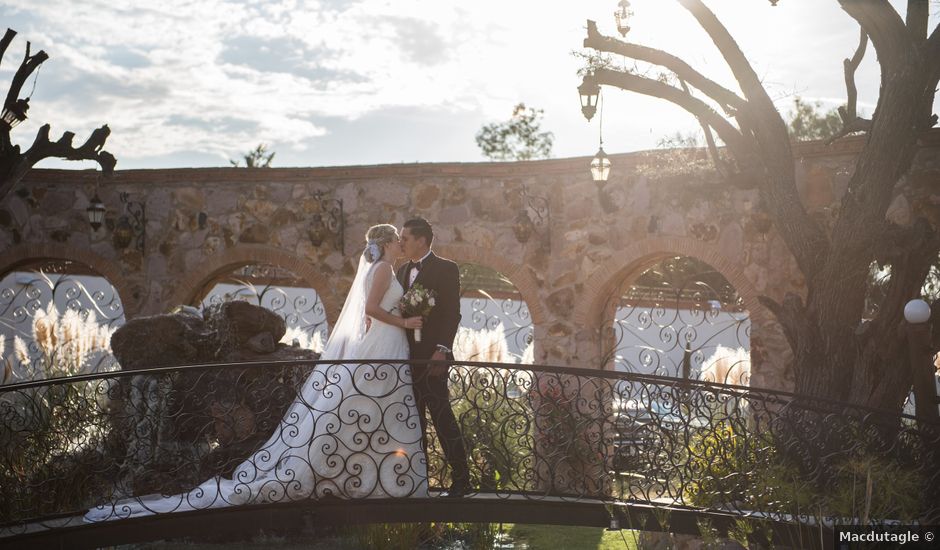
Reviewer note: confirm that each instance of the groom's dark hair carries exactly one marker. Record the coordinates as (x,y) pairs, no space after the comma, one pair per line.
(421,227)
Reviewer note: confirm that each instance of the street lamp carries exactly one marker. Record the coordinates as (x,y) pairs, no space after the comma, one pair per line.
(920,354)
(622,16)
(917,311)
(589,90)
(14,112)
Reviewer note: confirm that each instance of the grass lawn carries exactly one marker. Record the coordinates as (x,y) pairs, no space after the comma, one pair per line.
(550,537)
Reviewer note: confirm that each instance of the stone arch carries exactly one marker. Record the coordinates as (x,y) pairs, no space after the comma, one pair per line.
(61,281)
(26,253)
(523,280)
(632,261)
(190,284)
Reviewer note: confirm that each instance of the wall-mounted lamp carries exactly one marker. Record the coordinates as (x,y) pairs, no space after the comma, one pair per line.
(95,212)
(328,223)
(538,222)
(130,227)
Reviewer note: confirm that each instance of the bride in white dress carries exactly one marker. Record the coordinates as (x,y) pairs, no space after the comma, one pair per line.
(353,430)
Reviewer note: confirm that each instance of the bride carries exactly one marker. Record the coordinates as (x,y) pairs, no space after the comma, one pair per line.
(353,430)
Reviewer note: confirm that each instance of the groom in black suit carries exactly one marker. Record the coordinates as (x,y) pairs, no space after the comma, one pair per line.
(437,339)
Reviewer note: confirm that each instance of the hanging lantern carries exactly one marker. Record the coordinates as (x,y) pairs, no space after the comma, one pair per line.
(622,16)
(589,92)
(600,167)
(524,226)
(14,113)
(95,212)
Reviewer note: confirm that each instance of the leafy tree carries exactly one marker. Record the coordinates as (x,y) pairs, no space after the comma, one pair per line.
(259,157)
(519,138)
(808,122)
(834,254)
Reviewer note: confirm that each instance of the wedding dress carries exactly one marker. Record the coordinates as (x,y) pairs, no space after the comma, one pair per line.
(352,432)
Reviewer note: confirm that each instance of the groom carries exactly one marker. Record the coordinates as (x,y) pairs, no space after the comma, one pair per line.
(437,338)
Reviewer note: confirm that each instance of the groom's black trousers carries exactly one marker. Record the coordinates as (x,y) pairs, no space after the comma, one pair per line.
(431,392)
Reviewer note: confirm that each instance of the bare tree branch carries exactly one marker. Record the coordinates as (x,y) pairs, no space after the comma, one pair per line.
(698,108)
(43,148)
(747,79)
(851,122)
(931,51)
(14,164)
(29,64)
(720,165)
(850,66)
(884,27)
(728,100)
(918,14)
(5,41)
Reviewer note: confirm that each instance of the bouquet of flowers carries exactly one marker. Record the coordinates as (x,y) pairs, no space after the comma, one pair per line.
(417,302)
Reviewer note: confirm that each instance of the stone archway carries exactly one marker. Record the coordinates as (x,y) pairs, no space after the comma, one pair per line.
(770,352)
(272,279)
(189,286)
(58,309)
(513,275)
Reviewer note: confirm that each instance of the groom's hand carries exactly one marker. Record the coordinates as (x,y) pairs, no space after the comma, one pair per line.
(438,370)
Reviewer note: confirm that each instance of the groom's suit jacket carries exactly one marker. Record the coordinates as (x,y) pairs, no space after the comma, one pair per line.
(440,327)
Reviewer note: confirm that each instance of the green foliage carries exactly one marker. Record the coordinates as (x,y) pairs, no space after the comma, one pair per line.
(259,157)
(750,470)
(497,428)
(519,138)
(808,121)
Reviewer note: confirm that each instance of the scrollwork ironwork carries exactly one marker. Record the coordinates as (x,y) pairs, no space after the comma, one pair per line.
(281,291)
(103,441)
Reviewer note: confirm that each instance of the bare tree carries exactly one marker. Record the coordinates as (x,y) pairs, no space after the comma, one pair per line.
(833,357)
(14,164)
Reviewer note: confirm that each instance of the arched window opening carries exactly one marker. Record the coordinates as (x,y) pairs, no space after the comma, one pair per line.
(56,319)
(495,325)
(279,290)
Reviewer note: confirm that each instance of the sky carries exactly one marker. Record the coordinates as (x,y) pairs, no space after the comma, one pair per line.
(185,83)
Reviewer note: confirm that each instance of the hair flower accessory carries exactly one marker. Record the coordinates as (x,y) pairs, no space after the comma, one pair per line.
(374,251)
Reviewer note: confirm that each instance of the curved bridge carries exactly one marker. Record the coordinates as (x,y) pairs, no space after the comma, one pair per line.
(545,445)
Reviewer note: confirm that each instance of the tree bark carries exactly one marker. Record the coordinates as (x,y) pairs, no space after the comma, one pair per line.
(836,357)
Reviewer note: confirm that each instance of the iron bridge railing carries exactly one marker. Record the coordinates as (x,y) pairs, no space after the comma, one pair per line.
(97,447)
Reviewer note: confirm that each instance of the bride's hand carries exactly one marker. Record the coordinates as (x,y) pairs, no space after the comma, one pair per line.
(413,322)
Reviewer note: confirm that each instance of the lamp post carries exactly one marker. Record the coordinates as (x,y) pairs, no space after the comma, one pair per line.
(920,354)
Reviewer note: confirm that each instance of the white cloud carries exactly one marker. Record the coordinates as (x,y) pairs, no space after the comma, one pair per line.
(287,71)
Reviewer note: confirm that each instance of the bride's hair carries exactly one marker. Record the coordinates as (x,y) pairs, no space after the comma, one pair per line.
(376,238)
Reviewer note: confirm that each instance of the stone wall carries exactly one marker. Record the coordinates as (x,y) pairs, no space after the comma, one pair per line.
(201,222)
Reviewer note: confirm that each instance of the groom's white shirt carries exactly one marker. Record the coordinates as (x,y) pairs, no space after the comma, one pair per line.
(414,270)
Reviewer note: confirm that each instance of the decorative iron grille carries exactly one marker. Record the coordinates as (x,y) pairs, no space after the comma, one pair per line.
(56,318)
(102,442)
(495,325)
(281,291)
(680,318)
